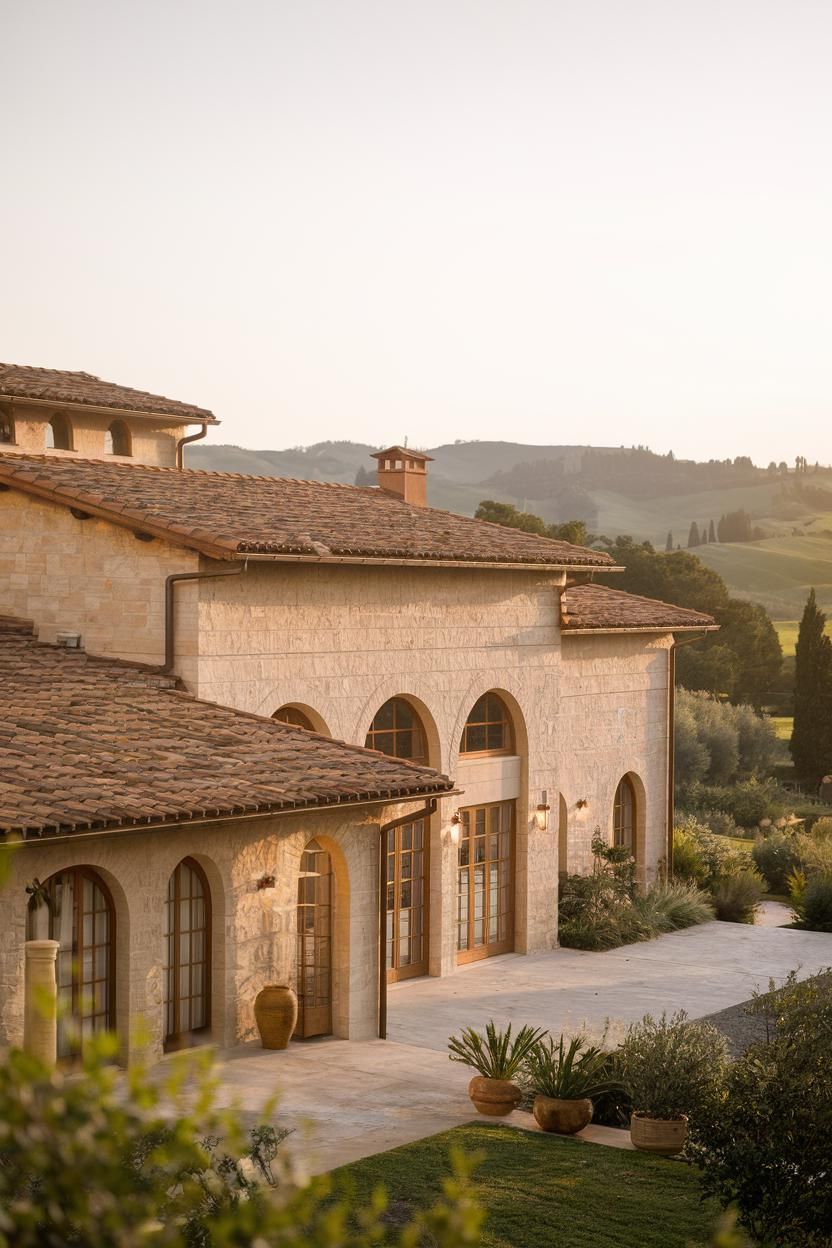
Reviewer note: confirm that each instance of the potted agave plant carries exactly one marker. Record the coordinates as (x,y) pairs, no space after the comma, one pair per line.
(498,1060)
(672,1069)
(565,1078)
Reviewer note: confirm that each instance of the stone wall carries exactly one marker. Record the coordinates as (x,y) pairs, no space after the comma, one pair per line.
(254,931)
(153,442)
(92,577)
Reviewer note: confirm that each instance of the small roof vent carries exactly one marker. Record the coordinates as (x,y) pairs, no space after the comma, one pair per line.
(69,641)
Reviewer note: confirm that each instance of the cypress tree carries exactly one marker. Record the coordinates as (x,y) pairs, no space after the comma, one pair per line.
(693,535)
(669,543)
(811,743)
(711,532)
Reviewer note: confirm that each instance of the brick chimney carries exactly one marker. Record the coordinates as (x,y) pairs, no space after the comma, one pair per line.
(404,473)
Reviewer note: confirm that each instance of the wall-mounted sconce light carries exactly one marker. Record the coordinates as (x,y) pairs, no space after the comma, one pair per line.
(541,815)
(582,803)
(266,881)
(456,828)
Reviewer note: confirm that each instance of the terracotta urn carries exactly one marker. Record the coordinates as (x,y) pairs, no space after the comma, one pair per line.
(276,1013)
(495,1097)
(563,1117)
(658,1135)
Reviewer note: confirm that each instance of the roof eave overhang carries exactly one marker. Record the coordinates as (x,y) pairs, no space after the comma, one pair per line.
(652,628)
(101,410)
(35,837)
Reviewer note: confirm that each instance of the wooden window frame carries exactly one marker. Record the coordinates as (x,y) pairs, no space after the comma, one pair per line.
(475,953)
(282,716)
(78,949)
(625,786)
(394,882)
(174,1040)
(416,728)
(487,723)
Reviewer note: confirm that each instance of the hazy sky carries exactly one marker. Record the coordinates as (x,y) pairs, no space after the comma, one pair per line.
(602,221)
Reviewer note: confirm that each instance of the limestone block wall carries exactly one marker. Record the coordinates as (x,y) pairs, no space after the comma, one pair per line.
(153,442)
(254,937)
(91,577)
(341,640)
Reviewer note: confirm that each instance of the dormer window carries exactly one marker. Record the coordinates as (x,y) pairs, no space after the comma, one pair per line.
(117,440)
(59,433)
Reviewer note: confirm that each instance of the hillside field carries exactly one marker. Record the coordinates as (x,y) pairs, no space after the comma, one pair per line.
(787,631)
(777,572)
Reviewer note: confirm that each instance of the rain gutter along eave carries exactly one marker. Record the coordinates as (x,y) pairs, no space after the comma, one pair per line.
(128,829)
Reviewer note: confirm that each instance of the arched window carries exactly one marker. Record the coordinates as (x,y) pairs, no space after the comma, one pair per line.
(488,728)
(187,973)
(80,916)
(117,440)
(6,428)
(59,433)
(397,731)
(295,716)
(624,815)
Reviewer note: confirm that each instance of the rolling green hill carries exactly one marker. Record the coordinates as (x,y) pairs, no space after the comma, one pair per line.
(777,572)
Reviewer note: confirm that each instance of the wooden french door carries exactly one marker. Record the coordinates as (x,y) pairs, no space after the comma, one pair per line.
(82,920)
(187,971)
(314,974)
(407,937)
(485,892)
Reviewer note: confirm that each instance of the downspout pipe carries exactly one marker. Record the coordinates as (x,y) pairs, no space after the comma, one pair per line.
(170,615)
(671,742)
(183,442)
(425,813)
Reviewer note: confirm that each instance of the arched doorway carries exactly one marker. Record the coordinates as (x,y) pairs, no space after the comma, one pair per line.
(187,970)
(81,917)
(314,953)
(397,730)
(485,875)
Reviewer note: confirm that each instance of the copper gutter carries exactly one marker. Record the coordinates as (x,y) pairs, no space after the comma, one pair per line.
(183,442)
(170,615)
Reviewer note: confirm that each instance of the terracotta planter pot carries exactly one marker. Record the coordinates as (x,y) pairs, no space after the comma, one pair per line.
(276,1013)
(495,1097)
(562,1117)
(658,1135)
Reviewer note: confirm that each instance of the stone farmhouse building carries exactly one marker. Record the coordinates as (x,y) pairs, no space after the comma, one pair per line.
(258,730)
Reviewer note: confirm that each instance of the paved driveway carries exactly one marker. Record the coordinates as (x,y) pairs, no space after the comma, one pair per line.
(347,1100)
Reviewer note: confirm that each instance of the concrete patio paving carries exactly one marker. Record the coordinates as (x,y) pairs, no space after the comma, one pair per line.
(347,1100)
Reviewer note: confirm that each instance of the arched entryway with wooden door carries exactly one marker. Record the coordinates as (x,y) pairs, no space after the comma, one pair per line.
(187,966)
(78,912)
(486,865)
(402,730)
(315,924)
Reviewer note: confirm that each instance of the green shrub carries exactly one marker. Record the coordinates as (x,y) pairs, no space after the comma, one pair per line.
(568,1071)
(822,828)
(775,857)
(496,1056)
(814,853)
(737,898)
(717,859)
(96,1160)
(766,1147)
(815,905)
(671,1067)
(669,906)
(749,803)
(687,860)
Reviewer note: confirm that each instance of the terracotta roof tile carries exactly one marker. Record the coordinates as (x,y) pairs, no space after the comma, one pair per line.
(89,743)
(222,514)
(598,608)
(21,381)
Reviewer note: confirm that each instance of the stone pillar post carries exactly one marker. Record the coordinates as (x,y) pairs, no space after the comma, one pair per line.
(40,1025)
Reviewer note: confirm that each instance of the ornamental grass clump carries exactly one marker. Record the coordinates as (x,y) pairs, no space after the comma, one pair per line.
(569,1072)
(496,1055)
(737,897)
(672,1068)
(670,905)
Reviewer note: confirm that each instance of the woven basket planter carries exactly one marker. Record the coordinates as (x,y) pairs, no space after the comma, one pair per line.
(659,1135)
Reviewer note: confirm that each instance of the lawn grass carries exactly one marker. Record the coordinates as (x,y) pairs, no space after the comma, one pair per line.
(543,1191)
(782,725)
